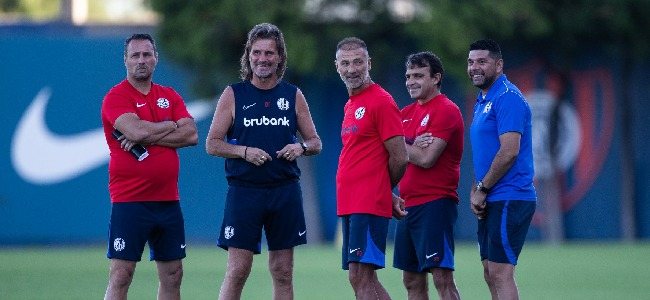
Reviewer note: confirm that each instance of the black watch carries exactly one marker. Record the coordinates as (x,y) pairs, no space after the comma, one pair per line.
(481,188)
(304,147)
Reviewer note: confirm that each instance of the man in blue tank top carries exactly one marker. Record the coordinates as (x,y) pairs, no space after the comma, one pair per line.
(254,128)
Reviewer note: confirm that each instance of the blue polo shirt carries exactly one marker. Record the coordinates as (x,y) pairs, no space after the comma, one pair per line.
(503,109)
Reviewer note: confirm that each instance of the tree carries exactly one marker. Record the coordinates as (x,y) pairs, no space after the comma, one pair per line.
(208,37)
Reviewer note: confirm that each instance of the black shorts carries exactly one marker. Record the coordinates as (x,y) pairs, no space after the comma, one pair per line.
(277,210)
(133,224)
(424,238)
(364,240)
(502,233)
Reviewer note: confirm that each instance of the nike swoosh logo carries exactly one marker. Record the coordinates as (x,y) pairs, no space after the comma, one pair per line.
(183,246)
(302,233)
(429,256)
(404,121)
(249,106)
(40,156)
(140,105)
(354,250)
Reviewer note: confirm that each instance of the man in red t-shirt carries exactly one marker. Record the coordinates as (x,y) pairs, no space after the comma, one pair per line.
(433,130)
(372,162)
(144,189)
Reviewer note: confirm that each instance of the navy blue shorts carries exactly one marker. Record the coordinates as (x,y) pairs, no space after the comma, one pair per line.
(424,239)
(277,210)
(364,240)
(133,224)
(501,234)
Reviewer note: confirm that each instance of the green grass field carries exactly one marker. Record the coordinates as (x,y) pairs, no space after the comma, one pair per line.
(571,271)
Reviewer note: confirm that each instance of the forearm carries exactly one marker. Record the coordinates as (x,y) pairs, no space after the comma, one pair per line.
(221,148)
(396,169)
(314,146)
(418,157)
(499,167)
(185,135)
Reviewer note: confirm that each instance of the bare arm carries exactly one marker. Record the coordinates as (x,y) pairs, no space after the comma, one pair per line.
(166,133)
(397,158)
(502,162)
(222,120)
(427,155)
(307,131)
(185,135)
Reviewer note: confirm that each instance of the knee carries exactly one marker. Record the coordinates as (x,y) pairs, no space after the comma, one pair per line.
(414,282)
(238,275)
(173,278)
(443,279)
(121,277)
(282,273)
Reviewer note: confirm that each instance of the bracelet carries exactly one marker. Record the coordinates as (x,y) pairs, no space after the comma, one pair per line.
(245,152)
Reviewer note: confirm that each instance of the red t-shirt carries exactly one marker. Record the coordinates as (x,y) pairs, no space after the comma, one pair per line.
(156,177)
(442,118)
(362,180)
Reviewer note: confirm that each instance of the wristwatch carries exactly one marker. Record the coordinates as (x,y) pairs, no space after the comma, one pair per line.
(304,147)
(481,188)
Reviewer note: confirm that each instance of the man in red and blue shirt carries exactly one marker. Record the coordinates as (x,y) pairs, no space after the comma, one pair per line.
(144,192)
(372,162)
(433,130)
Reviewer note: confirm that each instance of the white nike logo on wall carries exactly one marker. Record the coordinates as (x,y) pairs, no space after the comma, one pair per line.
(40,156)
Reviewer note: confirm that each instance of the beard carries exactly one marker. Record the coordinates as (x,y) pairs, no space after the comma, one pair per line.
(353,83)
(485,83)
(267,70)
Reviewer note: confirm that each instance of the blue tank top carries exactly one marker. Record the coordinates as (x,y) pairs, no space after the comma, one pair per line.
(264,119)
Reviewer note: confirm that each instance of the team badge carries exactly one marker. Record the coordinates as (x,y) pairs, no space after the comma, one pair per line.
(283,104)
(163,103)
(487,108)
(359,113)
(228,232)
(425,120)
(119,244)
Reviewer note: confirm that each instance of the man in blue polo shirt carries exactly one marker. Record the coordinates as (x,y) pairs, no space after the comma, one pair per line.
(503,196)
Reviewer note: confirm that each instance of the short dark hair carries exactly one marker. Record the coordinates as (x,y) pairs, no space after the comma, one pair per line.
(351,43)
(263,31)
(139,36)
(426,59)
(487,44)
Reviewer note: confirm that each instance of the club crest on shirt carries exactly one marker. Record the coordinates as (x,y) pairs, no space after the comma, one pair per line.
(487,108)
(162,103)
(283,104)
(359,113)
(425,120)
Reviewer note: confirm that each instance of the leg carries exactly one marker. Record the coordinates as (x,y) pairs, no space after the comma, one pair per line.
(365,284)
(120,277)
(382,293)
(443,279)
(502,276)
(281,268)
(170,274)
(239,266)
(488,280)
(416,285)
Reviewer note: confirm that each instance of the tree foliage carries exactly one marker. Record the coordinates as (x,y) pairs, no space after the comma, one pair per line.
(208,36)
